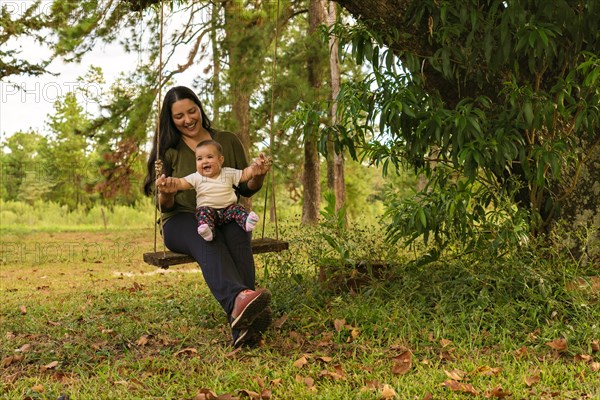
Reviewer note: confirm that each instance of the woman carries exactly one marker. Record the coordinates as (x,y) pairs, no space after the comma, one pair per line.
(227,263)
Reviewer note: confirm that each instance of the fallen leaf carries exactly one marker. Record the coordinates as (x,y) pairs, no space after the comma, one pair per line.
(9,335)
(38,388)
(187,350)
(10,378)
(338,368)
(388,392)
(325,359)
(251,394)
(339,324)
(23,310)
(595,345)
(428,396)
(456,386)
(487,371)
(583,357)
(446,355)
(401,368)
(99,345)
(498,393)
(52,365)
(301,362)
(24,349)
(260,381)
(266,394)
(143,340)
(308,381)
(521,352)
(402,363)
(206,394)
(456,374)
(533,378)
(136,287)
(232,354)
(445,342)
(330,374)
(370,385)
(533,335)
(278,323)
(595,366)
(558,344)
(10,360)
(326,339)
(296,337)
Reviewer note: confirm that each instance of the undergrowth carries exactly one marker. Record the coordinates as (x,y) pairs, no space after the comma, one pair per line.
(474,326)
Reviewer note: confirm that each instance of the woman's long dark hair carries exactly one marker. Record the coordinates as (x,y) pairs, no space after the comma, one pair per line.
(169,135)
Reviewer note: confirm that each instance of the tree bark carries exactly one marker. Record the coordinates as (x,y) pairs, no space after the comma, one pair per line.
(216,81)
(339,182)
(312,168)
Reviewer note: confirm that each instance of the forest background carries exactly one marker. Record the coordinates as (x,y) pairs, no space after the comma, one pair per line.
(456,144)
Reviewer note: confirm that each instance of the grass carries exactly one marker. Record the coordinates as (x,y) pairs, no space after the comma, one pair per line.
(82,316)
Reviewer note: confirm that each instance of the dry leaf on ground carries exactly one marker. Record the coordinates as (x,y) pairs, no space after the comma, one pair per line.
(51,365)
(339,324)
(558,344)
(533,378)
(456,386)
(388,392)
(301,362)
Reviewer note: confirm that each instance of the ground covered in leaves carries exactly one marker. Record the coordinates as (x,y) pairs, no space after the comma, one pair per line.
(82,317)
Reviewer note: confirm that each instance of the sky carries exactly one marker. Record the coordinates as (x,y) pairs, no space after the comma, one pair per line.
(28,109)
(22,110)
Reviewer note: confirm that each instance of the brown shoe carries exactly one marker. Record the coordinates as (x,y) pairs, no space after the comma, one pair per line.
(252,336)
(248,304)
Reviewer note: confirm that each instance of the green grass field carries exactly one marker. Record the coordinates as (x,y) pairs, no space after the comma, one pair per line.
(83,317)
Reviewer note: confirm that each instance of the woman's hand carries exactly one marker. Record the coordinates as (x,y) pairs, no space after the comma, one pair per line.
(166,185)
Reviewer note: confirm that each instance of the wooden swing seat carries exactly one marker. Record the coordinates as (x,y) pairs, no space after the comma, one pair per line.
(164,259)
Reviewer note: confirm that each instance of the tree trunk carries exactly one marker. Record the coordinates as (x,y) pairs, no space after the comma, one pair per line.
(312,168)
(216,82)
(339,182)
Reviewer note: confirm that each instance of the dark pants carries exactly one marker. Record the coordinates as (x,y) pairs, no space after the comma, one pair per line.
(226,262)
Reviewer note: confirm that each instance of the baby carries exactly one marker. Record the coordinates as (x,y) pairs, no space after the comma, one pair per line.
(216,200)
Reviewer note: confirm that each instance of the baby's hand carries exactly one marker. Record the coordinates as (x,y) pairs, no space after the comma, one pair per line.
(261,164)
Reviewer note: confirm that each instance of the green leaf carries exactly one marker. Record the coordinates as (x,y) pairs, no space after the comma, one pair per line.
(422,218)
(528,111)
(389,59)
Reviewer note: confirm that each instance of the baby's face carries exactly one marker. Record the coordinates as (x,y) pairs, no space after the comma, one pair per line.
(208,161)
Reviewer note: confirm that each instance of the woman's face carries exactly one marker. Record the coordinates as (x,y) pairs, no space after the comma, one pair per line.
(187,117)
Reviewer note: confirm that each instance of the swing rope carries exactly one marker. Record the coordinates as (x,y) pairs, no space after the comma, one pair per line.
(263,245)
(158,165)
(271,180)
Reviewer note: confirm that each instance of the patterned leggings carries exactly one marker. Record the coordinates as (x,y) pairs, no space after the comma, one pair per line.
(220,216)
